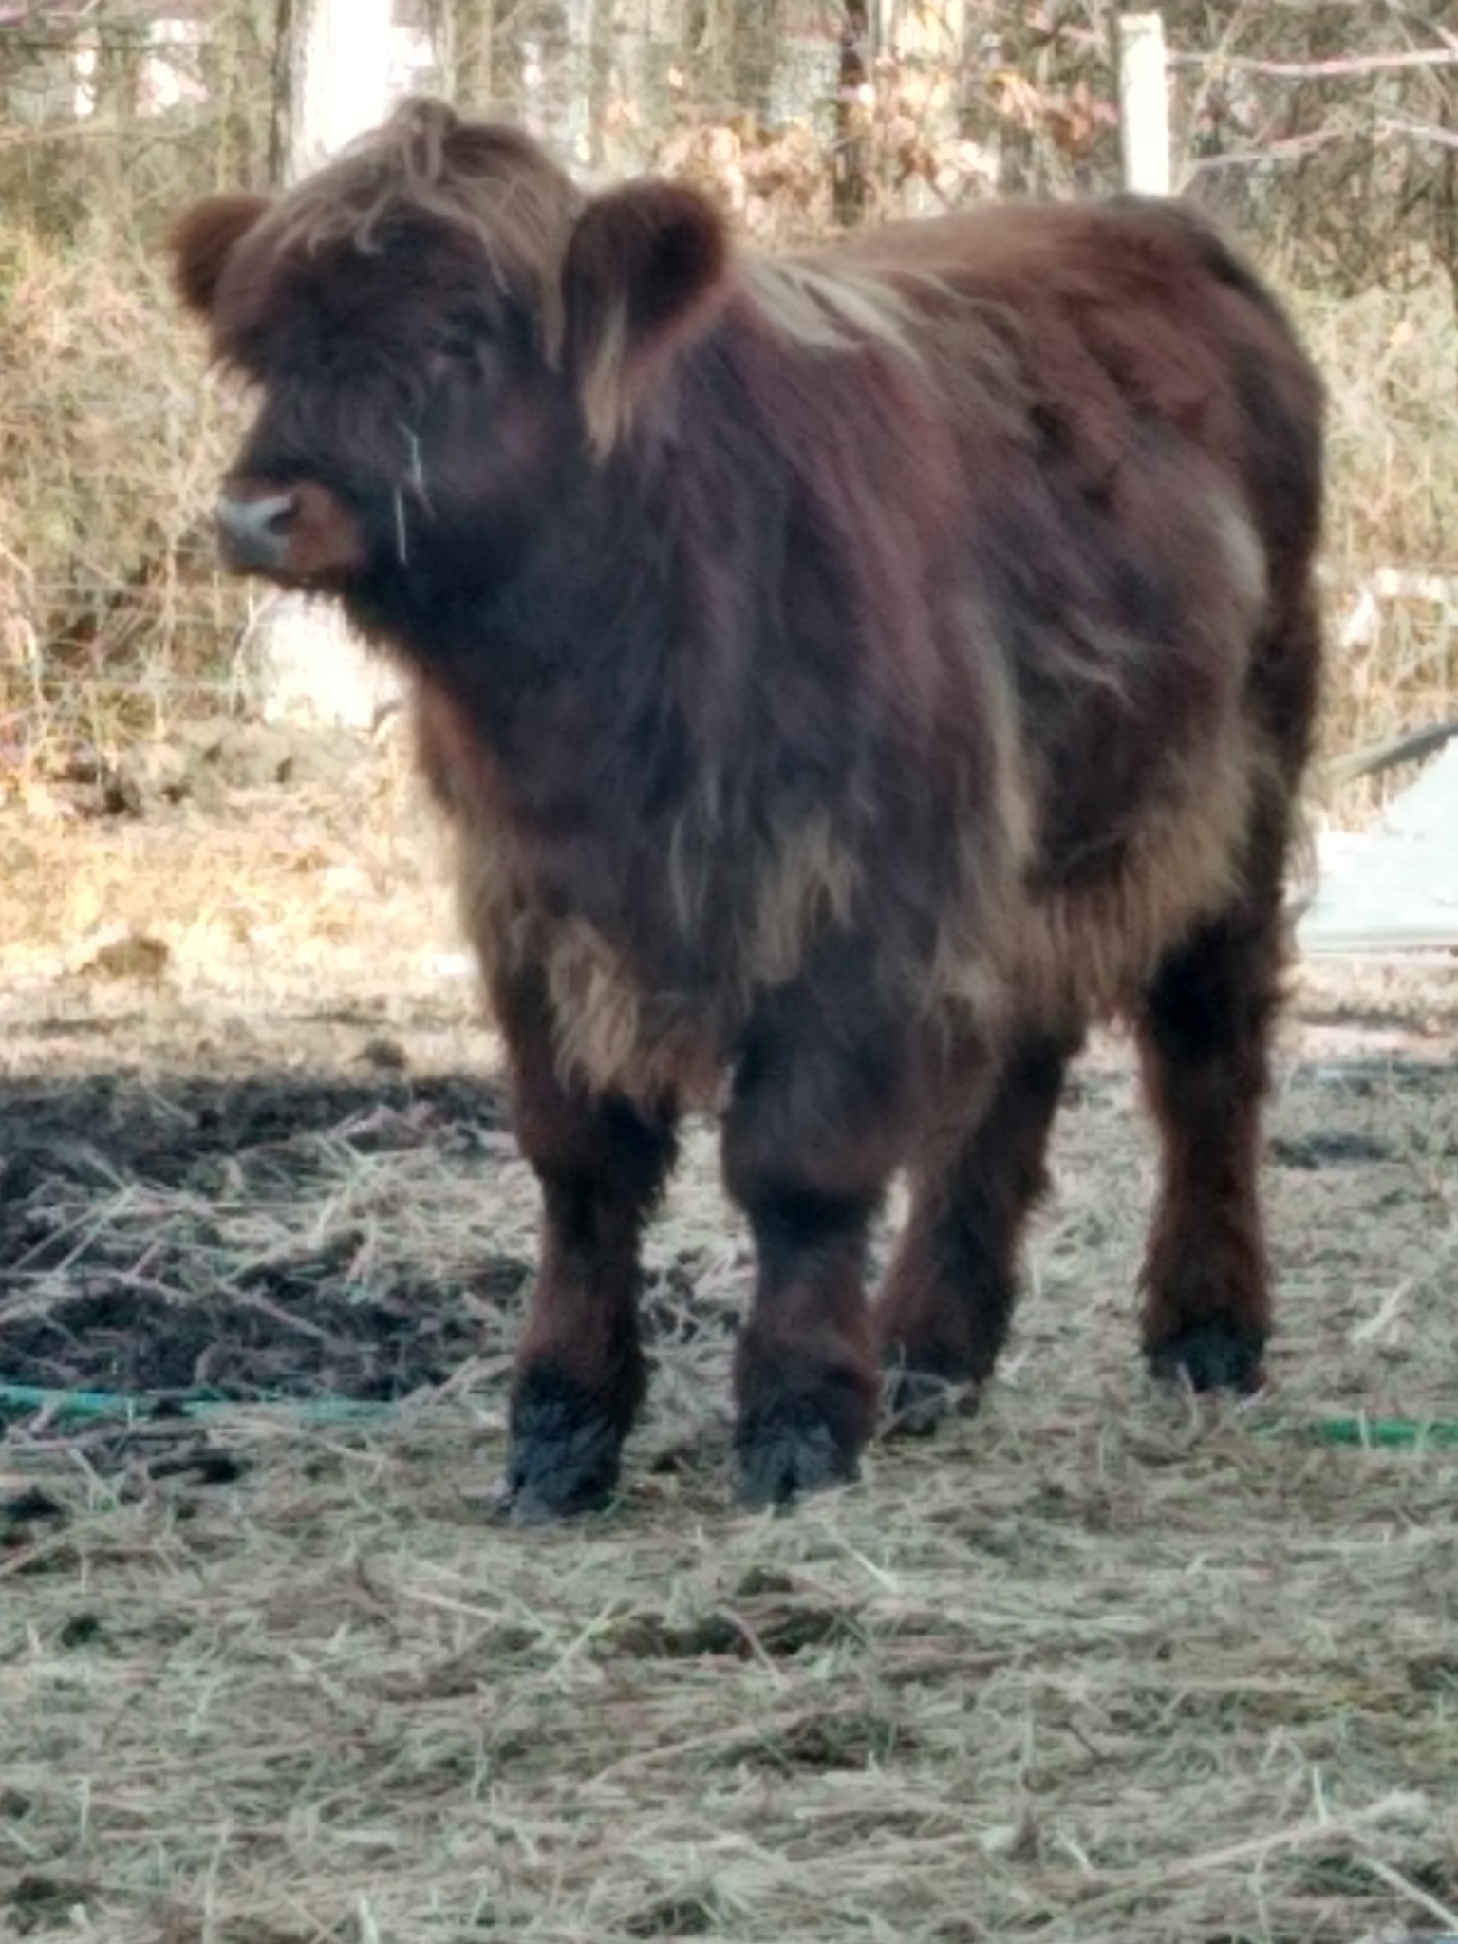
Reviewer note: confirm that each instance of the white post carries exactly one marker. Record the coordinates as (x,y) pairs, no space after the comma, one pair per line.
(340,63)
(1144,103)
(306,663)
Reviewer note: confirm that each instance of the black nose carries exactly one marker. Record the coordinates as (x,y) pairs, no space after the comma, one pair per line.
(255,532)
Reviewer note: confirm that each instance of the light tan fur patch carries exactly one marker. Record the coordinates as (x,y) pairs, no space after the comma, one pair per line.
(805,883)
(1058,958)
(1083,954)
(613,1031)
(824,308)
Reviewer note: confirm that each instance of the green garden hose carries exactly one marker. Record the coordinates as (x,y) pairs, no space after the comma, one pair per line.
(1376,1434)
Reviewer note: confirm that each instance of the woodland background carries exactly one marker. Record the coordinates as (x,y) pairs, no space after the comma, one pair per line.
(1326,133)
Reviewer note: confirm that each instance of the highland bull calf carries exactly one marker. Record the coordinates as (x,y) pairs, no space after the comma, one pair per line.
(848,677)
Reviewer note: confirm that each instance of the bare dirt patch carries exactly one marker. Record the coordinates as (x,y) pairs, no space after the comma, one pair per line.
(1094,1665)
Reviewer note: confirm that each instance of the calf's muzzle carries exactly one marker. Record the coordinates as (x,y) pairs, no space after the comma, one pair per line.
(253,532)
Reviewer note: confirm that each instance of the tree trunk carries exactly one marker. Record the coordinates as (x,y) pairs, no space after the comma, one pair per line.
(473,55)
(850,179)
(117,74)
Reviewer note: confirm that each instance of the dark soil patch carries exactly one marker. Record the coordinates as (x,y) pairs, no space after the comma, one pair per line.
(165,1308)
(1336,1148)
(92,1128)
(137,1342)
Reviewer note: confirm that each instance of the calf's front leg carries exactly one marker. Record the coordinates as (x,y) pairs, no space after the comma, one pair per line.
(601,1163)
(812,1133)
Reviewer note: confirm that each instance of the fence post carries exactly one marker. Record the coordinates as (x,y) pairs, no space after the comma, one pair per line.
(1144,103)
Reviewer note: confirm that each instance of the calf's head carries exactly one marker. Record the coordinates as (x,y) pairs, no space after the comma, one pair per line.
(438,325)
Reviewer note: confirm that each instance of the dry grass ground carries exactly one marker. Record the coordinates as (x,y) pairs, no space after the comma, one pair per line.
(1094,1666)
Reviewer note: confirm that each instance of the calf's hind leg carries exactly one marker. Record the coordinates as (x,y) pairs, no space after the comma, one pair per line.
(944,1309)
(601,1164)
(1204,1031)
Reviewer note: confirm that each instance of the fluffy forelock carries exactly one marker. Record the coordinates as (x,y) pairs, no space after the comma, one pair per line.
(488,179)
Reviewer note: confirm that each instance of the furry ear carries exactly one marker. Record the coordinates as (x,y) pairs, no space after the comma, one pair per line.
(646,271)
(201,241)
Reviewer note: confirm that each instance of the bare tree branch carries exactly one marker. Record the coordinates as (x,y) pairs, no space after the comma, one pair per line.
(1347,64)
(1421,131)
(1377,757)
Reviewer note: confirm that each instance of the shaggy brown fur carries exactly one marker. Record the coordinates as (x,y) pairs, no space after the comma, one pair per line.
(846,677)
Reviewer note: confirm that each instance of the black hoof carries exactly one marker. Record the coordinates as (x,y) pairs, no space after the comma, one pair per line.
(1214,1355)
(801,1424)
(781,1459)
(566,1451)
(916,1402)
